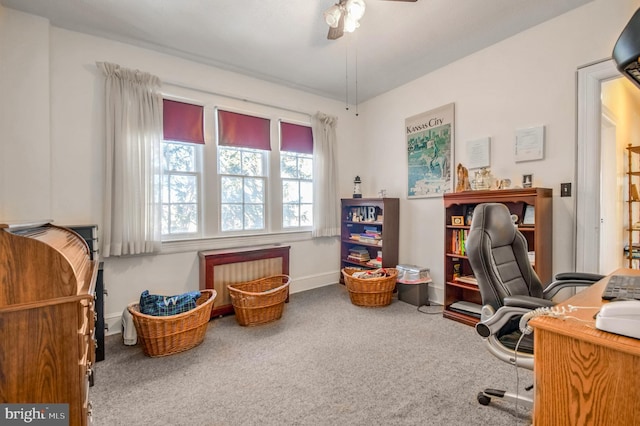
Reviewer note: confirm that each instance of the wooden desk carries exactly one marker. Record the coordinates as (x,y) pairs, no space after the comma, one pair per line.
(584,376)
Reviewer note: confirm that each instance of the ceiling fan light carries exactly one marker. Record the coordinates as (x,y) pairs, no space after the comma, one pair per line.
(355,9)
(350,24)
(332,16)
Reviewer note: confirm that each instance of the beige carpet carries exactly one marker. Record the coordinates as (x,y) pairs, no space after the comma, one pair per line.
(326,362)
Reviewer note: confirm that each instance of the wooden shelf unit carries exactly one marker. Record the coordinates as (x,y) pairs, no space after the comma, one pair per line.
(388,228)
(633,213)
(538,235)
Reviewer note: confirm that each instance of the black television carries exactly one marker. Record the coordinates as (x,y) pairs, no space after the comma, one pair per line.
(626,51)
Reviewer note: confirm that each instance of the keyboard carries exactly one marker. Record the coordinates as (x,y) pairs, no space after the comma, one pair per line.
(622,287)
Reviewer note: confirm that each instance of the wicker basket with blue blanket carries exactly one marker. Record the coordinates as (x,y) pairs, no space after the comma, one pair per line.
(167,335)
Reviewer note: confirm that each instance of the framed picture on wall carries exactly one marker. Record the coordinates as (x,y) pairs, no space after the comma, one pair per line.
(430,142)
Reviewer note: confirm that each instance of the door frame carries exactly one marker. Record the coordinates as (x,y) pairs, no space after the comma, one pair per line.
(587,204)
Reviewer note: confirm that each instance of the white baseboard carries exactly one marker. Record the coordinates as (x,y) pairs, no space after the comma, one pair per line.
(114,320)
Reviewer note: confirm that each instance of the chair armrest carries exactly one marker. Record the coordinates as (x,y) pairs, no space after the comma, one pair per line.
(587,280)
(493,324)
(489,328)
(580,276)
(528,302)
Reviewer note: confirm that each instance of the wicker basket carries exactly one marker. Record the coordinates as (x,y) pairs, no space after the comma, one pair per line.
(259,301)
(370,291)
(167,335)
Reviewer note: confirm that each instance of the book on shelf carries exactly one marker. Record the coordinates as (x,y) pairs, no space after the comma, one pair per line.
(458,241)
(371,230)
(374,241)
(467,279)
(359,249)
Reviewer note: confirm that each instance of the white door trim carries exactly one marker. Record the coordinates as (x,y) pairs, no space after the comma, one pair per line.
(588,164)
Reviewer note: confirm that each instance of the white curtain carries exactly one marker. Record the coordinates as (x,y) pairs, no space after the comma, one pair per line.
(326,204)
(131,223)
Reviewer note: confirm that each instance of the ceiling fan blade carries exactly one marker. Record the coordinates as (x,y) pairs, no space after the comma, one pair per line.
(337,32)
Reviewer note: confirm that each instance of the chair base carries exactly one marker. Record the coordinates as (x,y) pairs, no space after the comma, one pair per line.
(486,395)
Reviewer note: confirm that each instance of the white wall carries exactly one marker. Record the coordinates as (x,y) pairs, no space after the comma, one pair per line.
(526,80)
(24,116)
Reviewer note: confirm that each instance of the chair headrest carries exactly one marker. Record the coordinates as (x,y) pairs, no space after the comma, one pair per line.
(495,220)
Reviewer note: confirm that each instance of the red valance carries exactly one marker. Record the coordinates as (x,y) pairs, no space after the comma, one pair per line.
(244,131)
(183,122)
(296,138)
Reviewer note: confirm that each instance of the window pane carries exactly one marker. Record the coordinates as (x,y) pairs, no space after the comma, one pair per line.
(290,215)
(306,192)
(179,157)
(184,218)
(290,191)
(165,219)
(289,166)
(231,188)
(254,216)
(231,217)
(183,189)
(306,214)
(252,163)
(165,189)
(230,161)
(306,167)
(253,190)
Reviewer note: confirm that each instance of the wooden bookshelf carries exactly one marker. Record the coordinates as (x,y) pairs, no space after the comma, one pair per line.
(538,235)
(381,216)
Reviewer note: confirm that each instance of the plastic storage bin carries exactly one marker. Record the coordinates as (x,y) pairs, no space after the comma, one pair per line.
(412,284)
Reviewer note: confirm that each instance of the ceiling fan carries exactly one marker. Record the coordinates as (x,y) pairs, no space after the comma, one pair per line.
(345,16)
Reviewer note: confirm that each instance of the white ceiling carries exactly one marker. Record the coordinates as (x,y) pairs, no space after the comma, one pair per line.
(285,41)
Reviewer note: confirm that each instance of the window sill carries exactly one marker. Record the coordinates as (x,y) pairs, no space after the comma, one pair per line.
(181,246)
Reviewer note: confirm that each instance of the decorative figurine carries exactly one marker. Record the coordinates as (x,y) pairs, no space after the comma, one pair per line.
(463,179)
(357,193)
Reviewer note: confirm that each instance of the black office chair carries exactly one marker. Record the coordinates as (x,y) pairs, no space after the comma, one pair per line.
(510,288)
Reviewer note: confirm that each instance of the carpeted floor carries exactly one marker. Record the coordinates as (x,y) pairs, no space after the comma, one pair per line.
(326,362)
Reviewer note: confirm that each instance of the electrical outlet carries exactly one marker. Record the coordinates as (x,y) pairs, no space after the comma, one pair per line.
(565,189)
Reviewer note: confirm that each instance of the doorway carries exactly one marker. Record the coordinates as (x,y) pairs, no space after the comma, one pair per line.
(607,106)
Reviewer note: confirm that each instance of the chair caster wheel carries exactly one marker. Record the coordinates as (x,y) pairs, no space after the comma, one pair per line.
(483,399)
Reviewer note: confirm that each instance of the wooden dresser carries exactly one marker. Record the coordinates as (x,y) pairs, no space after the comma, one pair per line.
(47,317)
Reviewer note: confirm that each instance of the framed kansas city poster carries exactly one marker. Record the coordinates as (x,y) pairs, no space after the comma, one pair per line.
(430,142)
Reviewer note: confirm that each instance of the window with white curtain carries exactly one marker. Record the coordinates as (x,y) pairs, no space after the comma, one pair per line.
(253,175)
(183,134)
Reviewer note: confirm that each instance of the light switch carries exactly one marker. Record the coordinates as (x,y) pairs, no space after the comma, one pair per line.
(565,189)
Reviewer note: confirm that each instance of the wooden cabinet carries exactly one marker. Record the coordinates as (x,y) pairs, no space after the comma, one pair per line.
(632,249)
(369,231)
(532,206)
(47,318)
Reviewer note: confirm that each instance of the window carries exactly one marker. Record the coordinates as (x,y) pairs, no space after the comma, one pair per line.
(180,184)
(244,142)
(296,171)
(242,188)
(183,126)
(253,177)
